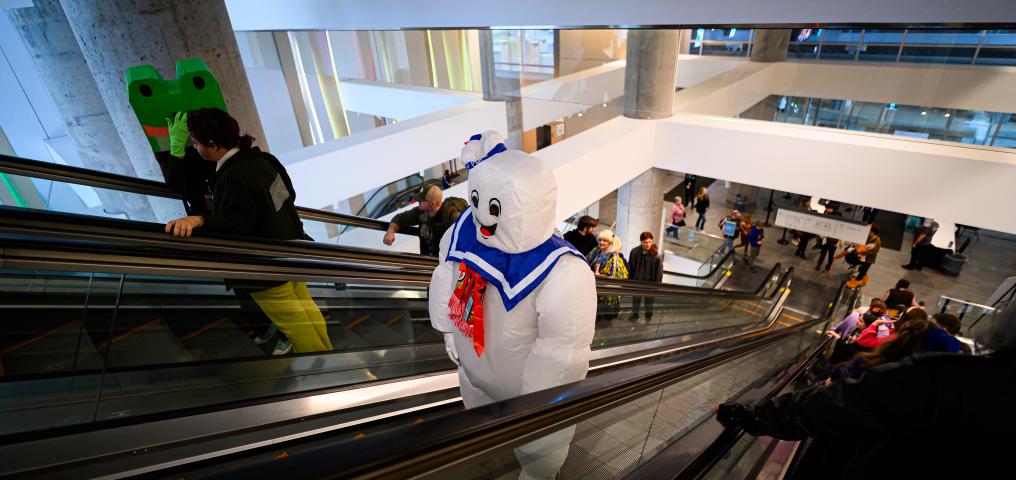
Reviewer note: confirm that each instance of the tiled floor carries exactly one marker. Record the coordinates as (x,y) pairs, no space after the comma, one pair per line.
(991,259)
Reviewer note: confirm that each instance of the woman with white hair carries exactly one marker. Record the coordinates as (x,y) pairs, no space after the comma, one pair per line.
(606,260)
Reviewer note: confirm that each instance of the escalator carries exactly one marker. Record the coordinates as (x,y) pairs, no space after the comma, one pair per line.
(110,327)
(122,350)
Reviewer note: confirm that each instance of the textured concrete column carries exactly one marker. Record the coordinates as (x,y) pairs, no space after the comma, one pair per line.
(55,53)
(504,89)
(640,208)
(117,34)
(650,75)
(770,45)
(650,78)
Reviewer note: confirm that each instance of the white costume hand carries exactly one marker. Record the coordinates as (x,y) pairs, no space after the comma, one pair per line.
(449,346)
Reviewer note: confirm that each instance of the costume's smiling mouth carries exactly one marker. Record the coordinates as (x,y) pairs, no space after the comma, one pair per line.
(488,230)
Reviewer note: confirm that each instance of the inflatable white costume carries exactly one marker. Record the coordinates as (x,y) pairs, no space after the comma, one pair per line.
(516,303)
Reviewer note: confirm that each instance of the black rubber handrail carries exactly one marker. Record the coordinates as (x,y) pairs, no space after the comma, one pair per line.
(111,181)
(388,454)
(81,233)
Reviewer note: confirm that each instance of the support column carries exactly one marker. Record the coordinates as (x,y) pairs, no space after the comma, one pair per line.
(56,56)
(117,34)
(650,79)
(503,89)
(770,45)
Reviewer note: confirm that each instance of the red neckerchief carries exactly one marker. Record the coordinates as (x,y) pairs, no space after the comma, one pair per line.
(466,305)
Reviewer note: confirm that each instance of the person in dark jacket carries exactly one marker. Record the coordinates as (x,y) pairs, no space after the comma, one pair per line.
(884,421)
(252,196)
(582,238)
(645,264)
(434,216)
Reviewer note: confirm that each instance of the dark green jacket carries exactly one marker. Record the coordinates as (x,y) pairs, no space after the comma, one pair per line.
(431,228)
(252,196)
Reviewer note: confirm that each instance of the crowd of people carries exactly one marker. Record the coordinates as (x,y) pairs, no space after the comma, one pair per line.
(897,381)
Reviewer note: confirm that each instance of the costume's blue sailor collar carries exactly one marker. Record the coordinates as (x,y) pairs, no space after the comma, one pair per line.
(516,275)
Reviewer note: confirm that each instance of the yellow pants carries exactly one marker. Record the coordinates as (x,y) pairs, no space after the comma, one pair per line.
(294,312)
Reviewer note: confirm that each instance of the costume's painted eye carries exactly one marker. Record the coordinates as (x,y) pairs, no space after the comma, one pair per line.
(145,90)
(199,83)
(475,197)
(495,207)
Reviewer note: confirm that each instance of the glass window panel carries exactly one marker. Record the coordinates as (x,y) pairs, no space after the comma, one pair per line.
(727,34)
(1000,37)
(802,51)
(996,56)
(726,49)
(942,37)
(933,54)
(842,35)
(883,36)
(837,52)
(806,35)
(879,53)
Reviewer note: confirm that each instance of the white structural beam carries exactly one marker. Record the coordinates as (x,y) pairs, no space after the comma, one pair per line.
(399,101)
(902,174)
(333,171)
(407,14)
(943,86)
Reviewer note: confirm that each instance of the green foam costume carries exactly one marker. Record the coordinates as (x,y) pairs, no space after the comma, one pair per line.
(155,99)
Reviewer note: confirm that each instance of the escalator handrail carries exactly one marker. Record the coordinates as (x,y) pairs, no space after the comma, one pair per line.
(698,466)
(482,429)
(112,181)
(227,253)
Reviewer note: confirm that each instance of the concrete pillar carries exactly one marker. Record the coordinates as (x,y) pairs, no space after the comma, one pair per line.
(640,208)
(505,89)
(55,53)
(650,78)
(650,75)
(117,34)
(770,45)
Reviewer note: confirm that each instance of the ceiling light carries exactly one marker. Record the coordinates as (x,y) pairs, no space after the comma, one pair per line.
(580,114)
(924,113)
(947,115)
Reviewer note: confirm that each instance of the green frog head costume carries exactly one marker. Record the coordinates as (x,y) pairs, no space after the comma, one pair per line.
(155,100)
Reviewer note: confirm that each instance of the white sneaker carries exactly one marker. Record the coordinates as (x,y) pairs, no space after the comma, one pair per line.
(282,347)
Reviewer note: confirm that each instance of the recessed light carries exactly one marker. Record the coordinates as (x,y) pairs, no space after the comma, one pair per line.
(947,115)
(924,113)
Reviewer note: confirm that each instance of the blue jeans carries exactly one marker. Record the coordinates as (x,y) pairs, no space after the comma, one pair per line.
(729,242)
(700,223)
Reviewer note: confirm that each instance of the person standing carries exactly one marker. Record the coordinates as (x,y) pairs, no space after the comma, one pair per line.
(606,261)
(899,298)
(252,196)
(828,245)
(689,188)
(645,264)
(730,228)
(701,207)
(755,238)
(921,243)
(582,236)
(676,218)
(868,252)
(433,216)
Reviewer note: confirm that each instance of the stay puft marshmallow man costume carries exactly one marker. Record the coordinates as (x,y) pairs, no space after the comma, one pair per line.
(530,327)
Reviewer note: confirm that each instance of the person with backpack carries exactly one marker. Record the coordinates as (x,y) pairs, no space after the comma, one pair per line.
(730,226)
(432,215)
(251,196)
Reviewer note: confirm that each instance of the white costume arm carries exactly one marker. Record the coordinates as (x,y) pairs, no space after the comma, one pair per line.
(442,283)
(566,310)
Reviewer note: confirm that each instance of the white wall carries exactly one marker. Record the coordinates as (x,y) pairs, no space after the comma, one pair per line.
(954,182)
(405,14)
(944,86)
(28,115)
(278,120)
(399,101)
(333,171)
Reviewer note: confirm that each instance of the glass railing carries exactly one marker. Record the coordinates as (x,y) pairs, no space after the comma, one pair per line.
(98,331)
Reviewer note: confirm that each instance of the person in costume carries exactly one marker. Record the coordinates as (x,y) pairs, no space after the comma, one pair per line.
(606,260)
(516,302)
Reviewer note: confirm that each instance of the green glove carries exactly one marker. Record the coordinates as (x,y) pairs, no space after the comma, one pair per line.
(179,134)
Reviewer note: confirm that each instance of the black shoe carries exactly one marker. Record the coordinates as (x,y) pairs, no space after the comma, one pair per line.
(909,267)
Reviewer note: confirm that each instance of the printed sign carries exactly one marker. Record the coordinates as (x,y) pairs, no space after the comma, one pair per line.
(822,225)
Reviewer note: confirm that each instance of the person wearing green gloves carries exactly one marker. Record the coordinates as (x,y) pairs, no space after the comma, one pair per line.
(252,196)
